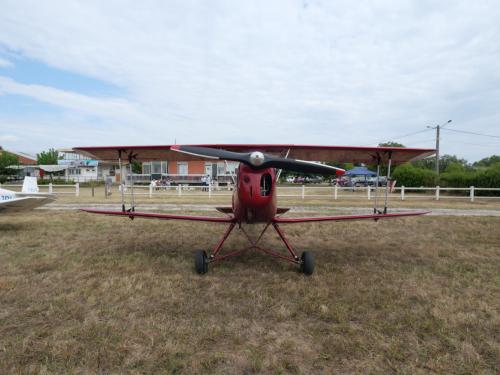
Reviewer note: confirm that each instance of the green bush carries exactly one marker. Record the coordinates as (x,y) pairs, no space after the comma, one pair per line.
(409,175)
(488,178)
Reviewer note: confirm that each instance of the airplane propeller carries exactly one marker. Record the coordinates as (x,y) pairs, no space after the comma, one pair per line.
(259,160)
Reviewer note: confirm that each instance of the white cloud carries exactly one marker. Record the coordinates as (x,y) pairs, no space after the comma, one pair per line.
(8,138)
(316,72)
(112,107)
(5,63)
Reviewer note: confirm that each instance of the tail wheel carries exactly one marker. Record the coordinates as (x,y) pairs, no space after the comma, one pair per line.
(307,263)
(200,262)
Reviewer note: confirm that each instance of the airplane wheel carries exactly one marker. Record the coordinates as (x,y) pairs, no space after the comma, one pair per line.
(200,262)
(307,265)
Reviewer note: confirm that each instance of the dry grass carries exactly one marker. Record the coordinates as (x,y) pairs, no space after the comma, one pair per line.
(86,294)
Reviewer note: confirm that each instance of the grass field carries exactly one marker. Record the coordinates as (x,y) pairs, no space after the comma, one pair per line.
(99,295)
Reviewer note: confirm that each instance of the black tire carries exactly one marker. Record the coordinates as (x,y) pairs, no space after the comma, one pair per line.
(307,265)
(200,262)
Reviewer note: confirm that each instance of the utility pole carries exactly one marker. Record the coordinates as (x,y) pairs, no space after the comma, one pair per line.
(437,150)
(438,128)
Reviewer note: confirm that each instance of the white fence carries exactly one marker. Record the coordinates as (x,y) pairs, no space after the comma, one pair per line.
(58,189)
(323,192)
(303,192)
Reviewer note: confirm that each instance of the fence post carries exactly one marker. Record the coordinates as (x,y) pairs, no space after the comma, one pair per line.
(303,191)
(151,190)
(368,190)
(179,190)
(437,192)
(402,193)
(50,187)
(472,193)
(335,190)
(77,189)
(209,190)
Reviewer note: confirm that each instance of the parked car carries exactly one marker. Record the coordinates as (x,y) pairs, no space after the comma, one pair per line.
(361,181)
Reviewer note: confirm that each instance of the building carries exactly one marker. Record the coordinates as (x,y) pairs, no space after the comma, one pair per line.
(24,159)
(190,172)
(81,168)
(27,163)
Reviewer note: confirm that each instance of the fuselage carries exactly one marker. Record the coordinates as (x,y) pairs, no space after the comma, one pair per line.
(254,199)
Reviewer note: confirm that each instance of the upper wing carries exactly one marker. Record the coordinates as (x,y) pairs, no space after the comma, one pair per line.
(339,154)
(347,217)
(133,214)
(23,204)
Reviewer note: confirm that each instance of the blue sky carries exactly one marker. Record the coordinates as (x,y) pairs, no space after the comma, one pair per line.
(317,72)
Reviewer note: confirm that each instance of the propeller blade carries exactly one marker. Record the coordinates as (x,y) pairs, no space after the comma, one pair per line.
(258,160)
(213,153)
(301,166)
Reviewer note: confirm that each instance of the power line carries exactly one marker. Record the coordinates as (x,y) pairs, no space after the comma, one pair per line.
(473,133)
(422,141)
(476,144)
(409,134)
(399,137)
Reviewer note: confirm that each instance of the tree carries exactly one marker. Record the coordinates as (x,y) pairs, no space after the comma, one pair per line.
(486,162)
(391,144)
(7,159)
(136,167)
(47,157)
(446,160)
(427,163)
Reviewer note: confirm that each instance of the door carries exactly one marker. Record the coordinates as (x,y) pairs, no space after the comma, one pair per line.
(208,169)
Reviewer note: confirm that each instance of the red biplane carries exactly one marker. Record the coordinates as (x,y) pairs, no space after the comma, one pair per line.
(254,198)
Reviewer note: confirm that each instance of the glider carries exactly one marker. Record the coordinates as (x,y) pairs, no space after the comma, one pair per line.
(28,199)
(255,195)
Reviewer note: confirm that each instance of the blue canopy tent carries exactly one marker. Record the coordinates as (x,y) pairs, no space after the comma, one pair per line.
(359,172)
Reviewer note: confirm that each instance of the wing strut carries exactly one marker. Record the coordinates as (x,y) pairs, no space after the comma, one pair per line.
(387,181)
(121,179)
(280,170)
(377,181)
(131,157)
(387,184)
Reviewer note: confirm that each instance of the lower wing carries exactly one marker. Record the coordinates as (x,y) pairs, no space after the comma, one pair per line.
(347,217)
(134,214)
(23,204)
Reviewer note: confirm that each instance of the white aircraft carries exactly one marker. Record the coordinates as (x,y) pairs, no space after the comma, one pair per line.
(28,199)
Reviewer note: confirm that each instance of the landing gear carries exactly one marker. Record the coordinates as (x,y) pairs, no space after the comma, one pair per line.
(307,263)
(201,262)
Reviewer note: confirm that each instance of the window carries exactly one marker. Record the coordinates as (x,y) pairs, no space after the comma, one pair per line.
(146,168)
(156,167)
(164,165)
(232,167)
(221,168)
(182,168)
